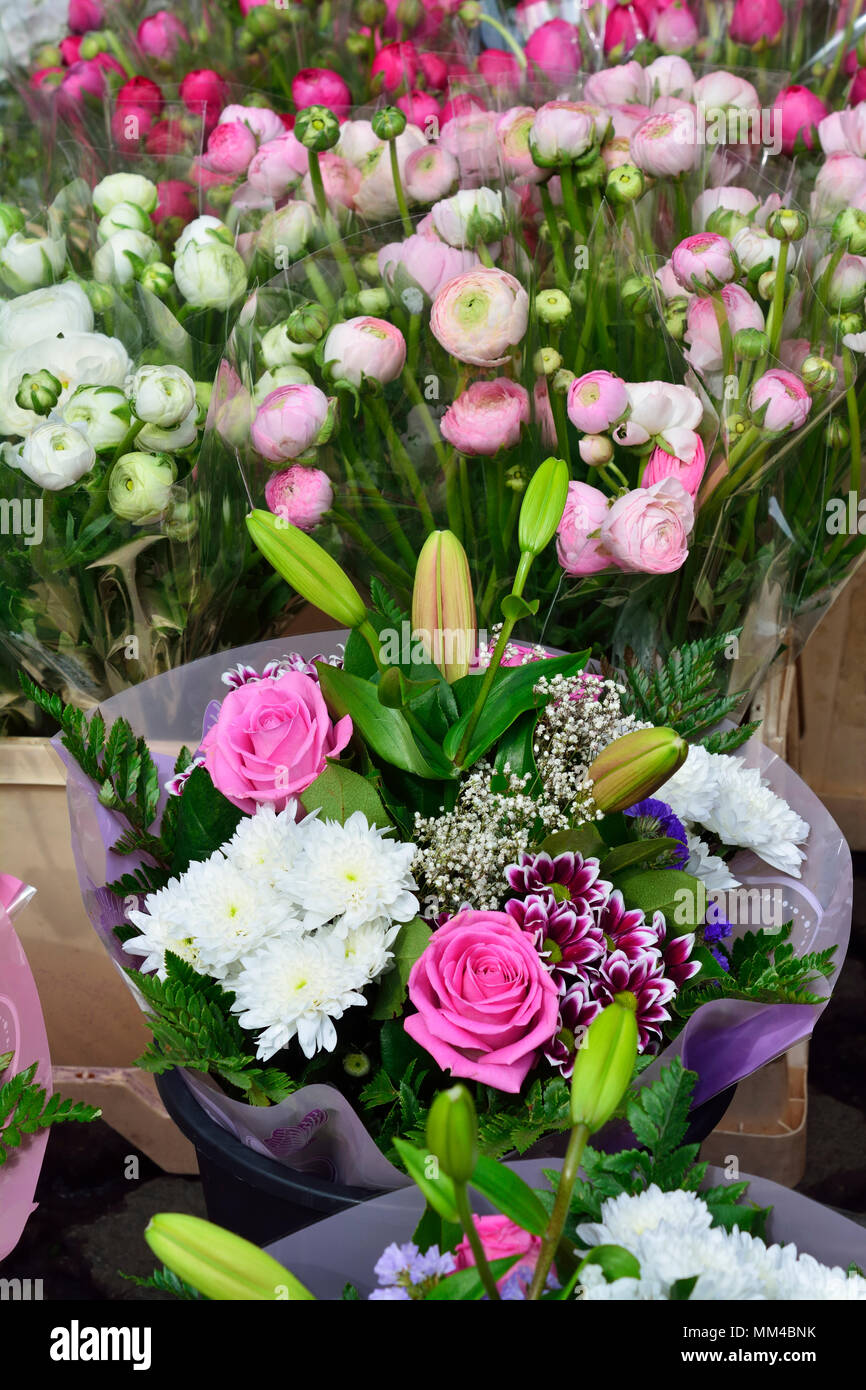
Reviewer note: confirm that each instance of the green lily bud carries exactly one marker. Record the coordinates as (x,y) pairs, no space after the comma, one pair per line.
(221,1265)
(452,1133)
(158,278)
(604,1064)
(676,317)
(786,224)
(38,391)
(309,569)
(317,128)
(388,123)
(751,344)
(562,379)
(139,487)
(547,361)
(634,766)
(443,605)
(553,307)
(11,221)
(637,292)
(542,507)
(849,230)
(818,373)
(837,434)
(625,184)
(308,323)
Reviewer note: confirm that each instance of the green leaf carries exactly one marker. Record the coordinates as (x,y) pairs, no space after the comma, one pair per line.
(338,793)
(681,1289)
(465,1284)
(206,820)
(514,607)
(615,1261)
(659,1114)
(410,943)
(517,748)
(638,852)
(584,840)
(678,895)
(386,731)
(438,1191)
(510,1195)
(512,694)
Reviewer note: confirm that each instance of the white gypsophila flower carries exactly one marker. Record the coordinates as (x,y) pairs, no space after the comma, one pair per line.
(691,792)
(45,313)
(352,875)
(711,869)
(749,814)
(295,987)
(625,1218)
(267,848)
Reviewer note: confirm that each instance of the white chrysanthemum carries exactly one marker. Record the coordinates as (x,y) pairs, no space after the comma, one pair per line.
(352,875)
(749,814)
(669,1254)
(691,792)
(295,987)
(367,949)
(267,847)
(167,923)
(596,1289)
(711,869)
(625,1218)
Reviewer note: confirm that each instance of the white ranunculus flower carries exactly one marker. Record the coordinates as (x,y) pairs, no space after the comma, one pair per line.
(472,215)
(114,262)
(123,217)
(278,349)
(26,262)
(357,139)
(212,276)
(202,231)
(290,227)
(377,196)
(101,413)
(166,441)
(54,456)
(75,359)
(162,395)
(288,375)
(45,313)
(125,188)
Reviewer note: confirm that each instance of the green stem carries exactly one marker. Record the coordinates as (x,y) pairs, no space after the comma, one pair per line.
(414,391)
(398,189)
(347,270)
(402,462)
(556,1224)
(841,49)
(495,661)
(392,571)
(464,1211)
(508,37)
(559,260)
(853,419)
(777,307)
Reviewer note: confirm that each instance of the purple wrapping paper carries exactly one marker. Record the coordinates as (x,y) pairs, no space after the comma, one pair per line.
(723,1042)
(343,1249)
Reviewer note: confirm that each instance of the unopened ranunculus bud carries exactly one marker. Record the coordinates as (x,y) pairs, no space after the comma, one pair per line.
(158,278)
(308,323)
(123,217)
(125,188)
(596,450)
(542,507)
(849,230)
(388,123)
(317,128)
(356,1065)
(842,324)
(515,479)
(372,301)
(263,21)
(11,221)
(625,184)
(818,373)
(443,605)
(161,395)
(591,174)
(307,567)
(837,434)
(553,307)
(139,487)
(727,222)
(751,344)
(636,292)
(452,1133)
(604,1064)
(634,766)
(676,317)
(786,224)
(470,13)
(38,391)
(372,13)
(101,297)
(368,266)
(221,1265)
(562,380)
(409,12)
(547,361)
(359,45)
(767,285)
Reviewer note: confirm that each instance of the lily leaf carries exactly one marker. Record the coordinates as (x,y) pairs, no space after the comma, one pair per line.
(385,730)
(512,694)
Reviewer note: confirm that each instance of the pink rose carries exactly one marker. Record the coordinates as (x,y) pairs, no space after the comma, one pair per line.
(270,741)
(487,417)
(648,529)
(555,48)
(578,546)
(321,87)
(486,1004)
(500,1240)
(424,262)
(661,464)
(301,495)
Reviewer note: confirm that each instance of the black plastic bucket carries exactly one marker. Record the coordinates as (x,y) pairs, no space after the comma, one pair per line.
(264,1200)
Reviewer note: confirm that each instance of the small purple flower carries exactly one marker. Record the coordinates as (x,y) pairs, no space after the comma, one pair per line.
(567,876)
(718,953)
(577,1009)
(676,953)
(627,929)
(394,1293)
(645,979)
(564,934)
(404,1273)
(653,819)
(175,785)
(716,925)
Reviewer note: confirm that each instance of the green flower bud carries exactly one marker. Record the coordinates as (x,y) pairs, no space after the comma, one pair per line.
(101,296)
(372,13)
(837,434)
(547,361)
(592,174)
(767,285)
(637,292)
(38,391)
(11,221)
(356,1064)
(818,373)
(786,224)
(735,427)
(841,324)
(388,123)
(542,507)
(751,344)
(317,128)
(221,1265)
(849,230)
(452,1133)
(634,766)
(48,55)
(676,317)
(181,523)
(373,301)
(263,21)
(158,278)
(308,323)
(604,1064)
(470,13)
(307,567)
(203,393)
(443,605)
(92,44)
(368,266)
(359,45)
(726,222)
(625,184)
(553,307)
(515,478)
(409,13)
(139,487)
(562,380)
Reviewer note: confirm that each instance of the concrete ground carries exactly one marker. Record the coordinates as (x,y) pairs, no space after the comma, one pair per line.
(88,1229)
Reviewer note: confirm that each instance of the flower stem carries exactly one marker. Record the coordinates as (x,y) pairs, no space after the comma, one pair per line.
(347,270)
(495,661)
(485,1274)
(402,462)
(398,189)
(550,1240)
(508,37)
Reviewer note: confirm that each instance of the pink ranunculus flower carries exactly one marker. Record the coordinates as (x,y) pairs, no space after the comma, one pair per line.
(840,183)
(461,104)
(647,530)
(578,545)
(70,50)
(130,125)
(300,495)
(481,316)
(702,326)
(430,174)
(419,108)
(703,261)
(423,261)
(734,198)
(544,412)
(779,401)
(501,1239)
(756,21)
(270,741)
(665,145)
(471,138)
(230,148)
(724,90)
(140,91)
(619,85)
(395,67)
(274,167)
(264,123)
(289,421)
(664,412)
(365,347)
(562,132)
(674,29)
(512,134)
(670,76)
(486,417)
(435,70)
(340,180)
(321,87)
(844,131)
(161,34)
(84,16)
(800,112)
(625,121)
(46,78)
(857,93)
(486,1003)
(554,47)
(626,26)
(499,69)
(596,401)
(661,464)
(82,80)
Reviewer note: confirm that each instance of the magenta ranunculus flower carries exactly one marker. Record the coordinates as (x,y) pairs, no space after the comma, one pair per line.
(481,316)
(756,21)
(486,417)
(365,347)
(596,401)
(779,401)
(270,741)
(626,26)
(501,1239)
(661,464)
(430,174)
(175,200)
(419,108)
(203,92)
(578,546)
(674,29)
(647,530)
(321,87)
(498,68)
(301,495)
(278,165)
(395,67)
(161,34)
(618,85)
(290,421)
(666,145)
(554,47)
(230,148)
(800,113)
(422,261)
(486,1004)
(703,261)
(83,16)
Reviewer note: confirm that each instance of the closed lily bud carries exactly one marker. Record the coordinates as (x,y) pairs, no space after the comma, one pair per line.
(634,766)
(452,1133)
(604,1064)
(308,568)
(443,605)
(222,1266)
(542,507)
